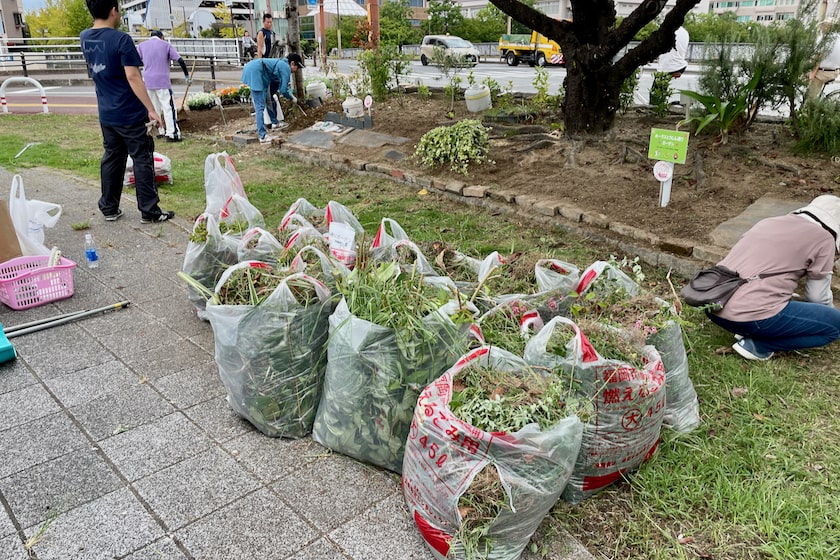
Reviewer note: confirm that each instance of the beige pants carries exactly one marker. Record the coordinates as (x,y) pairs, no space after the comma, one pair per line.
(821,77)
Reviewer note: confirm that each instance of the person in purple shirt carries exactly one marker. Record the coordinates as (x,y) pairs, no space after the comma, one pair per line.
(156,54)
(124,109)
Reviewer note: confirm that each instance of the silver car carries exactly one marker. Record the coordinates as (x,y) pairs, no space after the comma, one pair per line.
(451,45)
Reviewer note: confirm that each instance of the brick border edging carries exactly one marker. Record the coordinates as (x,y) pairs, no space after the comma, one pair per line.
(682,256)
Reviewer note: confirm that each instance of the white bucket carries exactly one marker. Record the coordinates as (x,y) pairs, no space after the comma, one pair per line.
(353,107)
(478,98)
(316,90)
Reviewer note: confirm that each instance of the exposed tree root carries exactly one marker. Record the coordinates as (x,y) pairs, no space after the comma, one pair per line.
(629,155)
(699,170)
(538,145)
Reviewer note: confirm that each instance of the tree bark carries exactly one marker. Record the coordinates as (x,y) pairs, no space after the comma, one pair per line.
(592,45)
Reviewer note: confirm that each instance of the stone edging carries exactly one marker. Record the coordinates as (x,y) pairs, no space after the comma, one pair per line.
(682,256)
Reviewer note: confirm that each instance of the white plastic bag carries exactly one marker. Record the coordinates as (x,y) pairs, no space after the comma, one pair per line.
(271,356)
(221,181)
(30,217)
(628,407)
(163,170)
(444,455)
(258,244)
(395,245)
(374,375)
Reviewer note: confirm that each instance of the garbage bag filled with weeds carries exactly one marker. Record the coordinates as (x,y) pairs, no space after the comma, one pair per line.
(213,244)
(303,213)
(316,263)
(392,243)
(270,330)
(626,307)
(390,336)
(491,447)
(257,244)
(624,381)
(207,256)
(509,325)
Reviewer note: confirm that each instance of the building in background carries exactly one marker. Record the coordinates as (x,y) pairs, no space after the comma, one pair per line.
(168,14)
(12,25)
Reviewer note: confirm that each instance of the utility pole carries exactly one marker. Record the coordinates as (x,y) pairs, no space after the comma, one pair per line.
(239,56)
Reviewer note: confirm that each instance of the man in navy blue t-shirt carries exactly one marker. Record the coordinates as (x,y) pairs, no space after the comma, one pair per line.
(124,109)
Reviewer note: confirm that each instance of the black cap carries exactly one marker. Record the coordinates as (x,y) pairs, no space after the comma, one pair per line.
(295,57)
(156,33)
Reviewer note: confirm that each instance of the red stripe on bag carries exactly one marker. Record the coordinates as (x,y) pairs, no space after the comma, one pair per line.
(225,212)
(436,538)
(587,351)
(477,353)
(596,482)
(586,280)
(377,241)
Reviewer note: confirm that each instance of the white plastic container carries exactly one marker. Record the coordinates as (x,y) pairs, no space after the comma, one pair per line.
(478,98)
(316,90)
(353,107)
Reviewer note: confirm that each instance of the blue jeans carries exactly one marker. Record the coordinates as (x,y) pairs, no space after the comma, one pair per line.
(260,99)
(799,325)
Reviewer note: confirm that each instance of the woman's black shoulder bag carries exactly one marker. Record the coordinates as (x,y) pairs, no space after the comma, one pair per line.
(714,286)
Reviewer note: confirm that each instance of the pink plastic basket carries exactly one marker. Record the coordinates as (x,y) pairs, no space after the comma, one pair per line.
(28,282)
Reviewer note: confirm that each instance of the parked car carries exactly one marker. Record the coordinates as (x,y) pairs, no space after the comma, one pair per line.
(451,45)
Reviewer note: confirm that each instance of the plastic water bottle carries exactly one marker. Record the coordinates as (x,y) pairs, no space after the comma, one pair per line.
(91,255)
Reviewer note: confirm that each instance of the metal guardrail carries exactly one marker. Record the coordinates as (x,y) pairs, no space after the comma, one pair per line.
(64,54)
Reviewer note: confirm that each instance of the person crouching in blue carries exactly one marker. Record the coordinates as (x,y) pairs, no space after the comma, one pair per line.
(265,77)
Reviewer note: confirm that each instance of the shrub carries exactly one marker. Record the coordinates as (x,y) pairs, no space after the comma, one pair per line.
(628,87)
(495,88)
(458,145)
(819,126)
(423,91)
(383,66)
(660,93)
(728,114)
(199,101)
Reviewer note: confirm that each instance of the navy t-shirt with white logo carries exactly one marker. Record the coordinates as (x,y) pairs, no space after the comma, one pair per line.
(107,52)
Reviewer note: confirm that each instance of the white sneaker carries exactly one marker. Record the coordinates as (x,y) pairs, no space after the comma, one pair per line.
(267,139)
(280,126)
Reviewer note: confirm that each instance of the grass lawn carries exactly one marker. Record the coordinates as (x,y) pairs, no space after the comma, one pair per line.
(758,478)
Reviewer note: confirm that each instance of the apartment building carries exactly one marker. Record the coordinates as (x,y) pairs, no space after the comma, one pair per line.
(11,19)
(766,11)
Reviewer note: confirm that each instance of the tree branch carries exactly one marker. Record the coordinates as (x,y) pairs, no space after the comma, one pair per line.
(659,42)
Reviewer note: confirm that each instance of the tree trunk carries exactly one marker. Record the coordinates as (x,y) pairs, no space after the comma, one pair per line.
(293,46)
(591,100)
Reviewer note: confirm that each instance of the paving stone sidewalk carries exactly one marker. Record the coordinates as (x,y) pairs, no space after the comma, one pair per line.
(116,440)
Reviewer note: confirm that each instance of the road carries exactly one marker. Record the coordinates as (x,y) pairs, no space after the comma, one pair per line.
(81,99)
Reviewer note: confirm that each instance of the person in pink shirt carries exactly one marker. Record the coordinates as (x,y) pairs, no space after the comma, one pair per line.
(156,54)
(774,255)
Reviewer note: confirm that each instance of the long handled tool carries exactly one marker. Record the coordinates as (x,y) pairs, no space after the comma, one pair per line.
(7,351)
(187,89)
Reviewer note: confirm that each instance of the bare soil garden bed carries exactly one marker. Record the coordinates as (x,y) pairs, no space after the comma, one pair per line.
(610,174)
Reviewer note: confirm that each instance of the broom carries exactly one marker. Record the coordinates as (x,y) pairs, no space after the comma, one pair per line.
(184,100)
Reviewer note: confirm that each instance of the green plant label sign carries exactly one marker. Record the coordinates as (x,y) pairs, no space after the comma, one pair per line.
(668,145)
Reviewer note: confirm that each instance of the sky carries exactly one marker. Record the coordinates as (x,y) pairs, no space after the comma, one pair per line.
(32,5)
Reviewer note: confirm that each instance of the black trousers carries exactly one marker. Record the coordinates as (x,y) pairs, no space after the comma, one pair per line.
(120,142)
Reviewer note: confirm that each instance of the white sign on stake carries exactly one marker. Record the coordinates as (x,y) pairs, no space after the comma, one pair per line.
(664,173)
